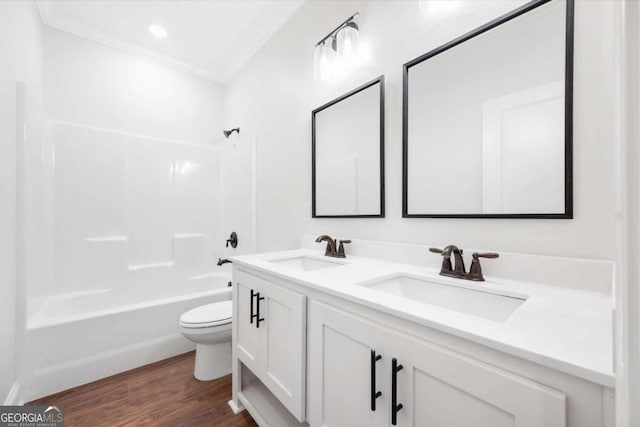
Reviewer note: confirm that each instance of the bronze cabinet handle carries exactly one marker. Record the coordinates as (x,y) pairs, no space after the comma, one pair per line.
(374,392)
(486,255)
(395,406)
(257,315)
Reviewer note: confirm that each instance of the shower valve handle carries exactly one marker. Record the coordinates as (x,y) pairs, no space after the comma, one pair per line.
(233,240)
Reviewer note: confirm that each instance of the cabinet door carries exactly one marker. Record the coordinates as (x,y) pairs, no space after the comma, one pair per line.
(441,388)
(248,343)
(284,328)
(340,374)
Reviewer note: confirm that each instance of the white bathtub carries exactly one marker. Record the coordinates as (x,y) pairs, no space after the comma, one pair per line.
(79,337)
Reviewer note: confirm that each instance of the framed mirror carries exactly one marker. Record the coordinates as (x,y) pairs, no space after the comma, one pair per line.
(347,146)
(487,120)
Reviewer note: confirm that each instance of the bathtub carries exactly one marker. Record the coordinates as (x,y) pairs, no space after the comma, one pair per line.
(80,337)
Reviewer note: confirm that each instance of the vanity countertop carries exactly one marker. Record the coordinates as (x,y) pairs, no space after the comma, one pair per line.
(562,328)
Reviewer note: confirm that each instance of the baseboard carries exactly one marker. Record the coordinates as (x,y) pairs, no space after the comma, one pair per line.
(63,376)
(13,397)
(236,408)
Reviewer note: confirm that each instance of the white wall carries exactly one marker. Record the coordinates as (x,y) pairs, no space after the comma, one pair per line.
(103,87)
(627,350)
(273,96)
(20,60)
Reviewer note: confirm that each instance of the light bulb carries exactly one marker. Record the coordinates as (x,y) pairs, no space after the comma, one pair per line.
(323,62)
(158,31)
(317,58)
(348,40)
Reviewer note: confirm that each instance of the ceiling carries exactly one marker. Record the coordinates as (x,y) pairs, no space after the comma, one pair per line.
(210,38)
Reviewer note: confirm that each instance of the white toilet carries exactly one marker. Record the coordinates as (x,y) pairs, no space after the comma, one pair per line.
(209,326)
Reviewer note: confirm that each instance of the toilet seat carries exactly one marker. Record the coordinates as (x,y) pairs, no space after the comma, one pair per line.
(207,316)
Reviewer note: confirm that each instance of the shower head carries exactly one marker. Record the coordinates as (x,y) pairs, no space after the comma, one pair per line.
(229,132)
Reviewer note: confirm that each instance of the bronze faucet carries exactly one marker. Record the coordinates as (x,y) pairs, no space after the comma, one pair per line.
(331,246)
(447,269)
(459,272)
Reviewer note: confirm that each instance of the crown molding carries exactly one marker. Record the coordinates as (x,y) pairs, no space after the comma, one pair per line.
(233,66)
(103,39)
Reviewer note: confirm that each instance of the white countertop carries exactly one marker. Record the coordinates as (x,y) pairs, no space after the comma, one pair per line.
(562,328)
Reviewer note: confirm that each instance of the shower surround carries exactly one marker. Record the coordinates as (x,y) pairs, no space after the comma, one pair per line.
(136,226)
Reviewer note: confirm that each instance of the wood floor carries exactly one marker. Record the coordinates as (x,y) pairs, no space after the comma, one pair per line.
(161,394)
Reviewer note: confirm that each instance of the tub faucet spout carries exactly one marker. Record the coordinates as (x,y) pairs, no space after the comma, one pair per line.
(223,261)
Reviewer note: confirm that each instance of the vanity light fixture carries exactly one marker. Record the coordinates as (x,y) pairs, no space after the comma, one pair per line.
(339,45)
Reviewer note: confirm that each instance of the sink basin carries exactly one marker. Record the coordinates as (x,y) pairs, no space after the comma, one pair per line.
(487,304)
(303,263)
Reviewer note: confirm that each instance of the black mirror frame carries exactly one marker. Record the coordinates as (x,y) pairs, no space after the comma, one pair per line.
(380,81)
(568,113)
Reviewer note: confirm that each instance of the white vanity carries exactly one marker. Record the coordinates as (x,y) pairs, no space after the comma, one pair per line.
(364,342)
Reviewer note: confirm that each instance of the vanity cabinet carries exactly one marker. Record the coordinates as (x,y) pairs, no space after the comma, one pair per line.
(352,359)
(270,337)
(306,354)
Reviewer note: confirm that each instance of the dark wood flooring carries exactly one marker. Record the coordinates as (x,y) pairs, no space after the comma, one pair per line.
(164,393)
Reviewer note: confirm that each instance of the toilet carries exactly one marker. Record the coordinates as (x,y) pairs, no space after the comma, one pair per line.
(209,326)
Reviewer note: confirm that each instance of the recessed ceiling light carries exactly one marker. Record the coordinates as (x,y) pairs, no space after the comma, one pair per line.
(158,31)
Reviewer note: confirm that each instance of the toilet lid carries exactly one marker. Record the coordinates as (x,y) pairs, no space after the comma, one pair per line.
(218,313)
